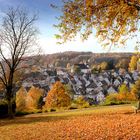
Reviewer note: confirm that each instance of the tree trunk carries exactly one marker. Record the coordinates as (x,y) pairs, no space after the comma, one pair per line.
(10,109)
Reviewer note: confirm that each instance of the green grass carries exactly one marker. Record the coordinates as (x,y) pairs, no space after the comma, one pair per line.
(87,111)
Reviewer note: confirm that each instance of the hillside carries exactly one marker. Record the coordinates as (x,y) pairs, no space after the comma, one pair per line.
(62,59)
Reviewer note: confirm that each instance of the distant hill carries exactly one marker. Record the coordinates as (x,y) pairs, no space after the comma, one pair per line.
(62,59)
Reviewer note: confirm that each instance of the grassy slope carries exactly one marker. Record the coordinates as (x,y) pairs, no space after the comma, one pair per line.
(114,122)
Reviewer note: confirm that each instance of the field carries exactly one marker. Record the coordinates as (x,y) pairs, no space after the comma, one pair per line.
(99,123)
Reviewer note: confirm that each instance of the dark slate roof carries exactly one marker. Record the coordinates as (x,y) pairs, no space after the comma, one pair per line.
(92,85)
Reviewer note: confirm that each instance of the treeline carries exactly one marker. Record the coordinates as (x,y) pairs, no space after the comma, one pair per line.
(62,59)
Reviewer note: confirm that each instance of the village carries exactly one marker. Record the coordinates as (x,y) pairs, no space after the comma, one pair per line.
(92,86)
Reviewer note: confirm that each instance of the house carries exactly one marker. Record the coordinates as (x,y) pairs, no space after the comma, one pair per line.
(111,90)
(135,75)
(116,83)
(60,72)
(101,78)
(128,76)
(107,81)
(115,74)
(100,97)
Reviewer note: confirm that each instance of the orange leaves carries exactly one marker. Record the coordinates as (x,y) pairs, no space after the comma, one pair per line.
(28,101)
(57,97)
(85,127)
(21,96)
(33,97)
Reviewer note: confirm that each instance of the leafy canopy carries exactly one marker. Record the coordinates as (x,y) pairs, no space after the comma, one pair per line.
(114,20)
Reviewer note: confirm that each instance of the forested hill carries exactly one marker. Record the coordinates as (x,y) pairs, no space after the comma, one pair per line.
(62,59)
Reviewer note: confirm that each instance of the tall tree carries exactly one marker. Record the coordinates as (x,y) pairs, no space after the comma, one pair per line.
(114,20)
(133,63)
(136,91)
(21,96)
(57,97)
(17,36)
(33,98)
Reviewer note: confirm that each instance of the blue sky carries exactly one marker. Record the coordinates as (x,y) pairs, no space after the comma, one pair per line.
(47,17)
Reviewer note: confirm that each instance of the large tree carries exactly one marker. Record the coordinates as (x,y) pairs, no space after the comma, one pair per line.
(57,97)
(114,20)
(17,36)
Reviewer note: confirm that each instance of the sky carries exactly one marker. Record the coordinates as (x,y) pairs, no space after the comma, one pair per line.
(47,18)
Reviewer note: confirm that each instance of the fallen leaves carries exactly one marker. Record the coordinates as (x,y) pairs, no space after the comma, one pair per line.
(106,126)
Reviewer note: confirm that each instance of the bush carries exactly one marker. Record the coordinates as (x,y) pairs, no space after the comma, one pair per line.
(81,102)
(116,99)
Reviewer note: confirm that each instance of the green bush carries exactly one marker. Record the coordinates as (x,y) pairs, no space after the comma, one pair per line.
(81,102)
(112,99)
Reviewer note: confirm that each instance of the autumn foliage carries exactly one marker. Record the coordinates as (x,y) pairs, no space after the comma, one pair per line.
(57,97)
(21,96)
(33,97)
(114,20)
(133,63)
(107,123)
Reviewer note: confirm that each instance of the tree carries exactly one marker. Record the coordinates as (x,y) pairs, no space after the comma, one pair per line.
(124,94)
(57,97)
(123,89)
(69,90)
(104,65)
(76,69)
(21,96)
(136,90)
(33,98)
(114,20)
(17,36)
(122,63)
(133,63)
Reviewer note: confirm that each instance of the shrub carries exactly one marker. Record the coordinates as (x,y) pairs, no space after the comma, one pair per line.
(120,98)
(81,102)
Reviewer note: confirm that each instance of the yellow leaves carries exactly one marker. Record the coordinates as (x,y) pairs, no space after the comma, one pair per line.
(57,97)
(28,101)
(115,18)
(89,9)
(133,63)
(21,96)
(33,97)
